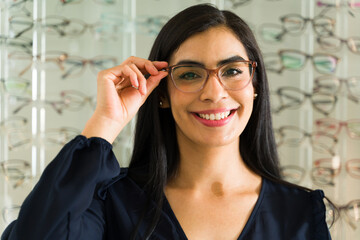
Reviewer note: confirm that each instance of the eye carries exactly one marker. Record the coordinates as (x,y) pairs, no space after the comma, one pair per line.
(189,76)
(232,72)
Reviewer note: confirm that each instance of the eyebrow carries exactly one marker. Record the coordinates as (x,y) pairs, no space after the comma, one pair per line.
(221,62)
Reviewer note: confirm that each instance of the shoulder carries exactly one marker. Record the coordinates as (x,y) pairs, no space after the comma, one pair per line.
(291,192)
(292,202)
(293,198)
(289,212)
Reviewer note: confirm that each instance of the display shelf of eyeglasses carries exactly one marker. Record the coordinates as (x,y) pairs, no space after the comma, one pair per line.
(20,139)
(16,183)
(325,173)
(63,64)
(293,98)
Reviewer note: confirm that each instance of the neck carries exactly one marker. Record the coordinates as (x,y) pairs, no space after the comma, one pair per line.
(203,167)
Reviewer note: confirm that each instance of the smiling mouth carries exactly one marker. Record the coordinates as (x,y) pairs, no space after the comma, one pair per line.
(215,116)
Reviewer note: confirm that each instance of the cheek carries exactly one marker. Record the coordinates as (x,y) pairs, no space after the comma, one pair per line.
(245,96)
(176,101)
(246,99)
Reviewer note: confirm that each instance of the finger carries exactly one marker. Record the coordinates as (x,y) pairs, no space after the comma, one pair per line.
(150,68)
(141,79)
(116,79)
(129,73)
(147,66)
(144,65)
(153,67)
(160,64)
(153,81)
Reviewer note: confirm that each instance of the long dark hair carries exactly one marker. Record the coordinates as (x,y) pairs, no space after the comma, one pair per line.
(155,157)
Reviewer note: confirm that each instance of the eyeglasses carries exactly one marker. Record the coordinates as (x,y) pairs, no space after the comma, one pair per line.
(294,136)
(19,24)
(296,174)
(102,30)
(73,66)
(75,100)
(272,62)
(105,2)
(349,3)
(352,166)
(70,66)
(295,60)
(25,61)
(10,213)
(333,126)
(237,3)
(15,85)
(60,136)
(61,26)
(20,139)
(329,4)
(19,5)
(13,122)
(16,171)
(22,102)
(150,24)
(293,98)
(331,84)
(333,43)
(192,78)
(295,24)
(22,43)
(351,212)
(272,33)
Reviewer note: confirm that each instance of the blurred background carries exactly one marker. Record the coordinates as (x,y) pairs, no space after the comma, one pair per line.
(50,52)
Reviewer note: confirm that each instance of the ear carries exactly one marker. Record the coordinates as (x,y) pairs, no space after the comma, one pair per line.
(164,103)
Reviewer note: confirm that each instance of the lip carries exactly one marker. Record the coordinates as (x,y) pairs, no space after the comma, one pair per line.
(215,123)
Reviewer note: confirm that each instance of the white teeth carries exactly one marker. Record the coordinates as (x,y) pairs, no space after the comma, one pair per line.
(217,116)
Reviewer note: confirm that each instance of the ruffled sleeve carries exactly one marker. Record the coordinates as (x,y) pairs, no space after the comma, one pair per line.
(320,228)
(64,204)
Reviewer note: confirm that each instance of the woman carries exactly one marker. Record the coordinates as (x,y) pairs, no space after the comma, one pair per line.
(204,164)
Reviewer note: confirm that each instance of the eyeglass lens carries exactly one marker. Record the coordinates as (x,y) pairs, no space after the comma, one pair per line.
(323,63)
(293,98)
(295,174)
(333,126)
(293,136)
(331,84)
(334,43)
(295,24)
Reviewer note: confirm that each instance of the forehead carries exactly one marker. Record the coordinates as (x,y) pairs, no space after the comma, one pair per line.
(210,47)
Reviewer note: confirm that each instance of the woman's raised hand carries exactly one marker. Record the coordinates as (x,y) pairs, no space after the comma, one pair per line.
(121,92)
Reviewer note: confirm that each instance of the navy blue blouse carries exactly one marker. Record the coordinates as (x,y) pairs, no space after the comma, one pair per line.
(84,194)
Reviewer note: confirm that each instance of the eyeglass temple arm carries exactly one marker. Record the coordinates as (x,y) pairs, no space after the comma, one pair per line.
(65,75)
(21,106)
(352,225)
(25,69)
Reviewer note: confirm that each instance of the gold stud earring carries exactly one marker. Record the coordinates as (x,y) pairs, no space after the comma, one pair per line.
(255,95)
(160,103)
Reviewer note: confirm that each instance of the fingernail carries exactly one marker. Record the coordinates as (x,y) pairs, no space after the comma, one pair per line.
(137,88)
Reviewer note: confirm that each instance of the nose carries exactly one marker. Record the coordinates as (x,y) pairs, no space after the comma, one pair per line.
(213,89)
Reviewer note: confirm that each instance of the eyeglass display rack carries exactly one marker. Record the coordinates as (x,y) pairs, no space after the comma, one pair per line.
(46,101)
